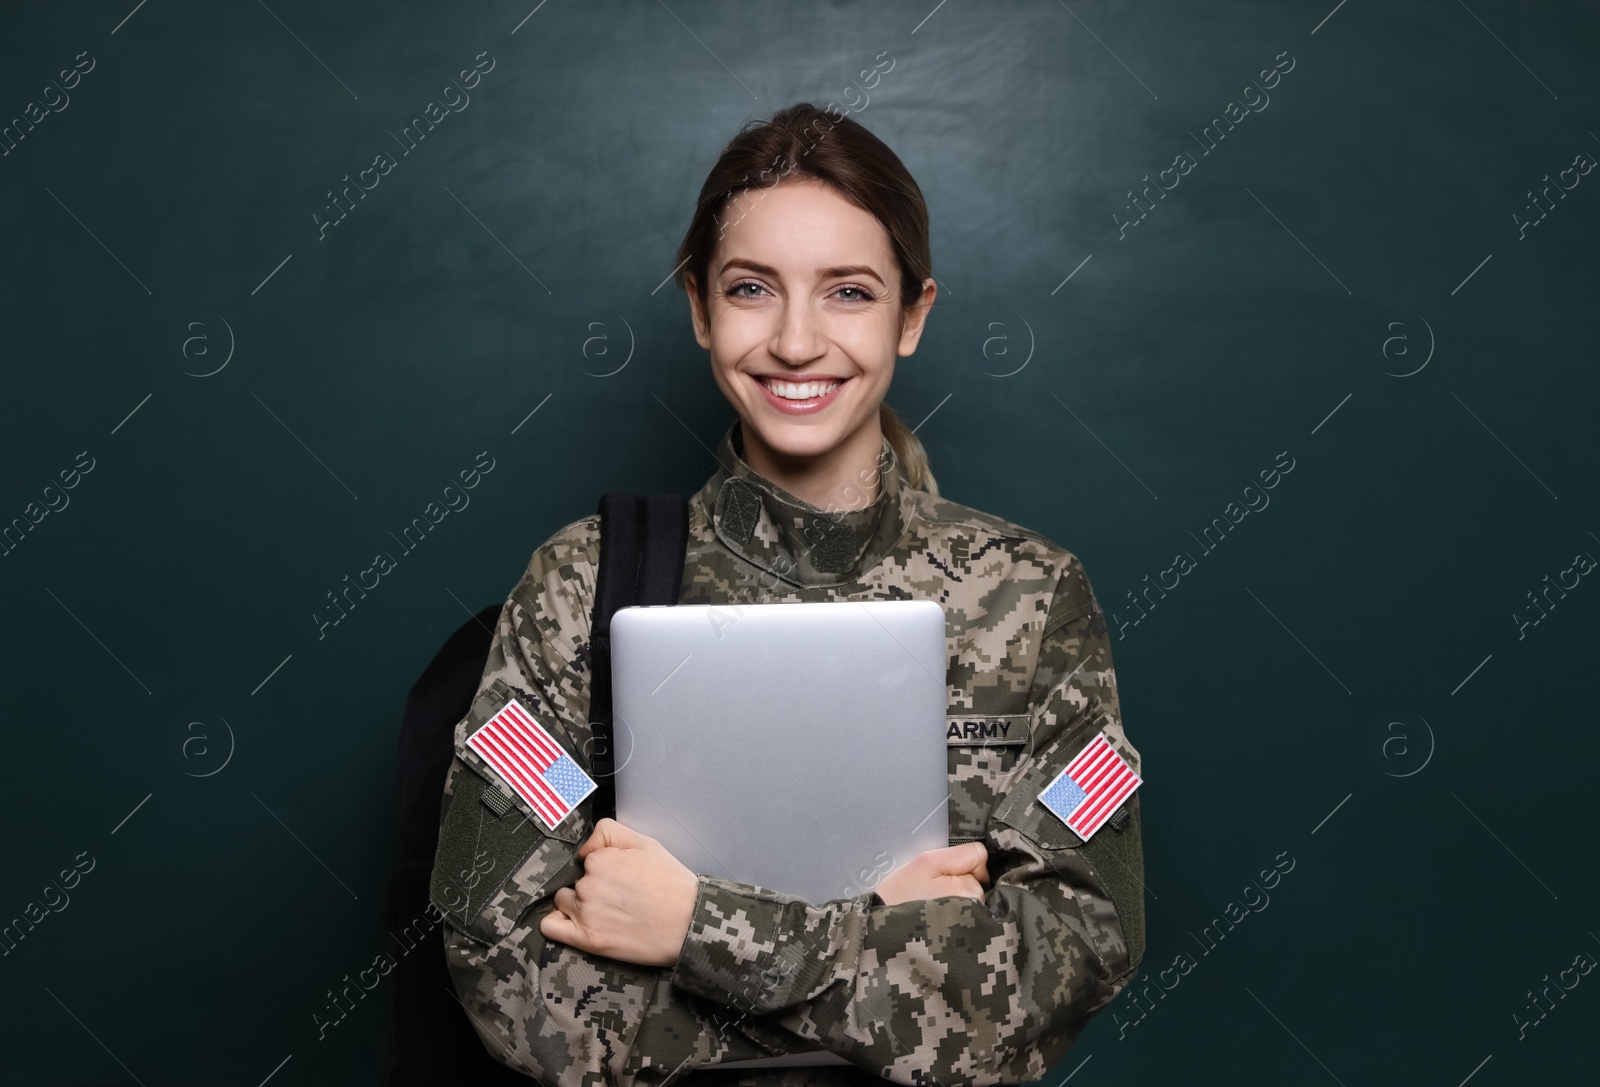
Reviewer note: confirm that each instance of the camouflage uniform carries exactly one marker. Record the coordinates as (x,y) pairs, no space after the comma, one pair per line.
(945,991)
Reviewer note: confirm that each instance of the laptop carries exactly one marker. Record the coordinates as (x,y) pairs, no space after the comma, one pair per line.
(798,747)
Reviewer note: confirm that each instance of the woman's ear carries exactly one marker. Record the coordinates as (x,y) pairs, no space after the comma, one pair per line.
(916,318)
(697,316)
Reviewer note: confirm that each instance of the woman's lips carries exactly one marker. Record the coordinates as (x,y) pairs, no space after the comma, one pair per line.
(799,407)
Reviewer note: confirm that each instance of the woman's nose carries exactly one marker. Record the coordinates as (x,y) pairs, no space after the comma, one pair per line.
(797,338)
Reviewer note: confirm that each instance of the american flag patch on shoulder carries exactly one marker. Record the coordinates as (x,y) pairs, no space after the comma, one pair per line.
(532,763)
(1088,791)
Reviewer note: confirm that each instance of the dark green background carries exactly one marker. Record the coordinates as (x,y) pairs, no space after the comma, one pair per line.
(1255,299)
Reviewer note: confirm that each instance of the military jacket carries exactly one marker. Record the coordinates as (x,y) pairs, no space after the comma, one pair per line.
(950,990)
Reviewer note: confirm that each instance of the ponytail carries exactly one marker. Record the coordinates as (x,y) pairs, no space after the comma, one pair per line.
(908,450)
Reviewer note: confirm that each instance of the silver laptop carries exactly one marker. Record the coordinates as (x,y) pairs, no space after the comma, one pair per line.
(798,747)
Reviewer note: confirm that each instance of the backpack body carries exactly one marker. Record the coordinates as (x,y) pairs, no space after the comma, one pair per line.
(642,545)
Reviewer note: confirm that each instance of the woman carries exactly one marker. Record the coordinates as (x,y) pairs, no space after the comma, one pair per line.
(587,953)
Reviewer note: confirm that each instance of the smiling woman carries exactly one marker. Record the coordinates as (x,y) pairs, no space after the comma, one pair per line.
(797,328)
(587,953)
(805,349)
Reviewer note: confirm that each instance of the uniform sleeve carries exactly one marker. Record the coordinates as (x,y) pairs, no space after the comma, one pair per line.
(955,990)
(562,1016)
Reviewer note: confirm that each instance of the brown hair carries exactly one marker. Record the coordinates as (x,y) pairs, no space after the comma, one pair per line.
(804,142)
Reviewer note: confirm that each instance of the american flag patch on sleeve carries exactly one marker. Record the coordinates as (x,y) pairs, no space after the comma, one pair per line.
(530,760)
(1088,791)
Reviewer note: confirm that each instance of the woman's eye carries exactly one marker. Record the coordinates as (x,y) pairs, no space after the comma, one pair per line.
(751,289)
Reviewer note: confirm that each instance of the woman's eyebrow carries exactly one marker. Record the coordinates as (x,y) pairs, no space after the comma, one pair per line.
(838,272)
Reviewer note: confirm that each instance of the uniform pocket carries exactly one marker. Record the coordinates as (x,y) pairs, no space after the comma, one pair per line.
(1025,813)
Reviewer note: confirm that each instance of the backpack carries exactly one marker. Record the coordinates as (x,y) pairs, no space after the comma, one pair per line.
(643,540)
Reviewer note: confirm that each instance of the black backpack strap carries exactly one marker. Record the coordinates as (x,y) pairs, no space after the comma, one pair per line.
(666,536)
(642,545)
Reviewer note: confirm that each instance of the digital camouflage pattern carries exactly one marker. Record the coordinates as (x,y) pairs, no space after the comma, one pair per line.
(945,991)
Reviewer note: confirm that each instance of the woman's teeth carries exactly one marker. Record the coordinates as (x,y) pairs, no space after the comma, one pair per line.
(789,390)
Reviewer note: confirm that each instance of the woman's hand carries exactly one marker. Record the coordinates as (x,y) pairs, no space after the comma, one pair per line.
(633,902)
(938,873)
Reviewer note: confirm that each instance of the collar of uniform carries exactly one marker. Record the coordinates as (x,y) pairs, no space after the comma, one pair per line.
(794,540)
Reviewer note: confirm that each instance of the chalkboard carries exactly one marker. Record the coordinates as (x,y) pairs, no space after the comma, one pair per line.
(1279,316)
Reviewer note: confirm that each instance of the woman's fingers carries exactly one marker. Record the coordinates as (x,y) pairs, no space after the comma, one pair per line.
(558,926)
(963,870)
(609,832)
(566,903)
(959,860)
(603,834)
(562,922)
(949,871)
(980,867)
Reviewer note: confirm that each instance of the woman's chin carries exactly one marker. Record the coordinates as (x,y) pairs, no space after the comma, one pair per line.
(793,439)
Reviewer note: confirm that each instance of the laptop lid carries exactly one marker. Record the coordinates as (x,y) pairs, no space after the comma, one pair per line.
(798,747)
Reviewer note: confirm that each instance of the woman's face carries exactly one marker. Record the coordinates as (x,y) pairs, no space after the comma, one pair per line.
(804,318)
